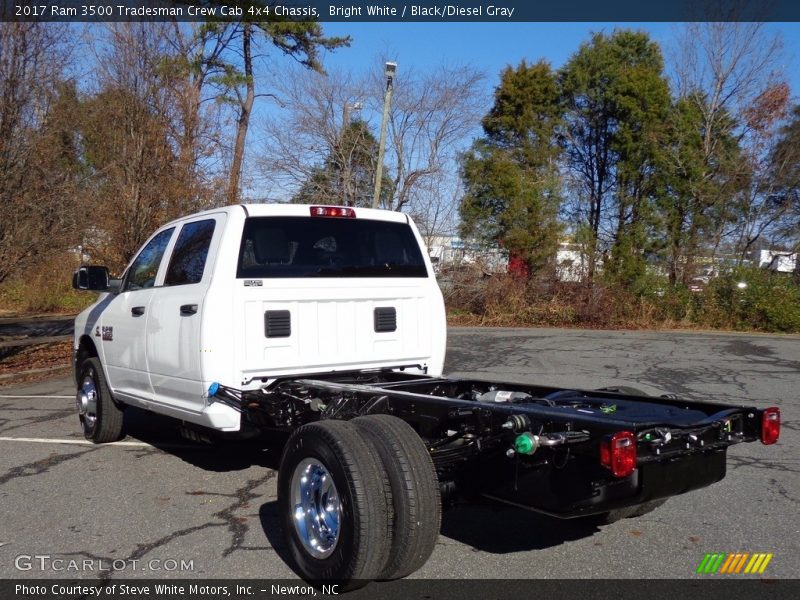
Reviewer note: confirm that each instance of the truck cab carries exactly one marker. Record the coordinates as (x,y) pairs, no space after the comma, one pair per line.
(244,294)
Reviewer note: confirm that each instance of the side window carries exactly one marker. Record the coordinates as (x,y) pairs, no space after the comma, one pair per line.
(189,255)
(142,273)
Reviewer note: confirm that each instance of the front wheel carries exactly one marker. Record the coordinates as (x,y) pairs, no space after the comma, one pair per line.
(332,497)
(100,418)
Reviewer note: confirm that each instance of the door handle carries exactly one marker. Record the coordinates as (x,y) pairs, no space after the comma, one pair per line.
(137,311)
(188,310)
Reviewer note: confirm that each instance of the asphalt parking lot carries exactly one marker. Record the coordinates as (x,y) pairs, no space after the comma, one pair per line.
(156,506)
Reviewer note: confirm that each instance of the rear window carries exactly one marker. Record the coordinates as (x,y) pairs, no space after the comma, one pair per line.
(328,247)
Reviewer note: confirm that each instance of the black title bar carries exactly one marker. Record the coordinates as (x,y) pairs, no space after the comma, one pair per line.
(462,11)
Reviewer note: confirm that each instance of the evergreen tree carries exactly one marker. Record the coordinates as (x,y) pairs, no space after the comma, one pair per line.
(511,180)
(348,174)
(616,101)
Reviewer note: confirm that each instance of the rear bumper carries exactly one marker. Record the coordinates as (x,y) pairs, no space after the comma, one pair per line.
(578,490)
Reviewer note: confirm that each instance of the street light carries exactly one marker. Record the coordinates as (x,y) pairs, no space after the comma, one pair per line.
(348,110)
(389,71)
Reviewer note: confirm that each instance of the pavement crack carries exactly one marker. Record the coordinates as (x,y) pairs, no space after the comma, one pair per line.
(40,466)
(61,414)
(736,462)
(141,550)
(782,491)
(237,526)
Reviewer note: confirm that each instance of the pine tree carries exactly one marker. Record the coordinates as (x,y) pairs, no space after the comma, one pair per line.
(511,180)
(616,100)
(347,176)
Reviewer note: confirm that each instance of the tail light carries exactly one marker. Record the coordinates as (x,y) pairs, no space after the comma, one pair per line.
(333,211)
(770,425)
(618,453)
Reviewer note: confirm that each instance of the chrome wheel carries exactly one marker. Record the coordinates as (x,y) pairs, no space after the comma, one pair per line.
(317,510)
(86,402)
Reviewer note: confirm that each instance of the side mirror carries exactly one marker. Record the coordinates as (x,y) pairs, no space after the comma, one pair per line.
(91,278)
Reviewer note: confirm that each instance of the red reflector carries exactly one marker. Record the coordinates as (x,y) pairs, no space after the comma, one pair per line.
(618,454)
(770,425)
(332,211)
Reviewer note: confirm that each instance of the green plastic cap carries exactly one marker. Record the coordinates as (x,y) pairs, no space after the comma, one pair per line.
(525,443)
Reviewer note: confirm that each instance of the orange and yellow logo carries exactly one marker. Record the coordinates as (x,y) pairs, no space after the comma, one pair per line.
(734,564)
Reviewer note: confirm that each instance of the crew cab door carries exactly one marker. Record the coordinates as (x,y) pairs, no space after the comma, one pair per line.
(121,333)
(174,318)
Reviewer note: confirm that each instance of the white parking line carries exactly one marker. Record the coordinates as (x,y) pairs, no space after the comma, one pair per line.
(89,443)
(166,446)
(46,396)
(71,441)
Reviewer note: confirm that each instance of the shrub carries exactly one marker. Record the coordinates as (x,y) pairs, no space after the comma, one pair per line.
(768,301)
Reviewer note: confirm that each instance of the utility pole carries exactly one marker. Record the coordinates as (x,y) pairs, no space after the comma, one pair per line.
(387,101)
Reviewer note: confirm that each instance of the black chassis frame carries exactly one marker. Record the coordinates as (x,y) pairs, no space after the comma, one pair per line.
(681,445)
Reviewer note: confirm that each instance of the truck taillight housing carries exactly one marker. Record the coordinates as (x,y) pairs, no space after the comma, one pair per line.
(333,211)
(770,425)
(618,453)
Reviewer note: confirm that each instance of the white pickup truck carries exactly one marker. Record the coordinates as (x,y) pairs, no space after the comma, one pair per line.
(326,323)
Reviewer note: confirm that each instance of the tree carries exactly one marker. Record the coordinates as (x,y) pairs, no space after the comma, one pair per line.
(758,213)
(39,170)
(785,199)
(642,105)
(614,97)
(347,176)
(694,185)
(511,181)
(192,70)
(432,115)
(138,180)
(730,72)
(233,58)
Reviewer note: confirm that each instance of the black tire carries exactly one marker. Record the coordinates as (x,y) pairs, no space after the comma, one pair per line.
(359,551)
(414,488)
(104,424)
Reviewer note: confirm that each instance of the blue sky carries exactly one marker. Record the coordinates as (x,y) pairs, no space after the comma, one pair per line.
(488,47)
(491,46)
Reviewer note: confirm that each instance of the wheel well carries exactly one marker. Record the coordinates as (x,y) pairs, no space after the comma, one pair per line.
(86,349)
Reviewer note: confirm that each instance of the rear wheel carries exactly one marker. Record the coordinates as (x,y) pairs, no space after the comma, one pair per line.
(414,491)
(100,418)
(333,504)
